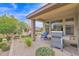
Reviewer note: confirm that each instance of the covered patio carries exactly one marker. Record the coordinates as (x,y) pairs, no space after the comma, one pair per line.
(66,14)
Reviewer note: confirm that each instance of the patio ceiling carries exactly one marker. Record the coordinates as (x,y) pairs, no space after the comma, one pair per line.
(53,11)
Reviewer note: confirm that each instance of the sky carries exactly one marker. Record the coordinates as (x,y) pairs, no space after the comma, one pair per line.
(20,10)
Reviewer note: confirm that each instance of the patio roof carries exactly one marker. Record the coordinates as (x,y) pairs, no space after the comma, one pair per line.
(52,10)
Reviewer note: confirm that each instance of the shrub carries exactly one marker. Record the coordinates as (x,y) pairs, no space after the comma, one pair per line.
(8,38)
(44,51)
(28,41)
(0,39)
(1,44)
(4,47)
(4,40)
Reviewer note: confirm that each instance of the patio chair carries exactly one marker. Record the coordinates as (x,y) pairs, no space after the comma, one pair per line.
(44,35)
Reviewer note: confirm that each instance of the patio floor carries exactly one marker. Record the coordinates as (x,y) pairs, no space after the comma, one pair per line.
(4,53)
(19,48)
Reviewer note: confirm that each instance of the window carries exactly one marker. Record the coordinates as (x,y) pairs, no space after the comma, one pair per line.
(57,25)
(69,26)
(69,30)
(58,28)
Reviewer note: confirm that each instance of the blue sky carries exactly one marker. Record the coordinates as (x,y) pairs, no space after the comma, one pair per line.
(20,10)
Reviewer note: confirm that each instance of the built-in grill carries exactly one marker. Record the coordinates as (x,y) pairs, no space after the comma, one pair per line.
(57,39)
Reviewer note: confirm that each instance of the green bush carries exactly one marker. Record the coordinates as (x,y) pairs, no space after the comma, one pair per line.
(44,51)
(28,41)
(4,47)
(4,40)
(0,39)
(1,44)
(8,38)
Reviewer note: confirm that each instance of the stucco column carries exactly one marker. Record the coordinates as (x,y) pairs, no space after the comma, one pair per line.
(50,27)
(33,29)
(63,24)
(76,30)
(44,26)
(76,27)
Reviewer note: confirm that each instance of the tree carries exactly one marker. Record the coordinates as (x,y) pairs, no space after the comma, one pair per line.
(23,27)
(9,24)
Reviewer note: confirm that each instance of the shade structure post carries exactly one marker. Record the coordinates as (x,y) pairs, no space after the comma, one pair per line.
(33,29)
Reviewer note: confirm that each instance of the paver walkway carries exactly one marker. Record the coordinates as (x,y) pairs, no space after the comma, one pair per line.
(19,48)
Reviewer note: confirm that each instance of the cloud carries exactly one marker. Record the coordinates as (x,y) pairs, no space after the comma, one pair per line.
(32,10)
(14,5)
(7,9)
(4,9)
(18,14)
